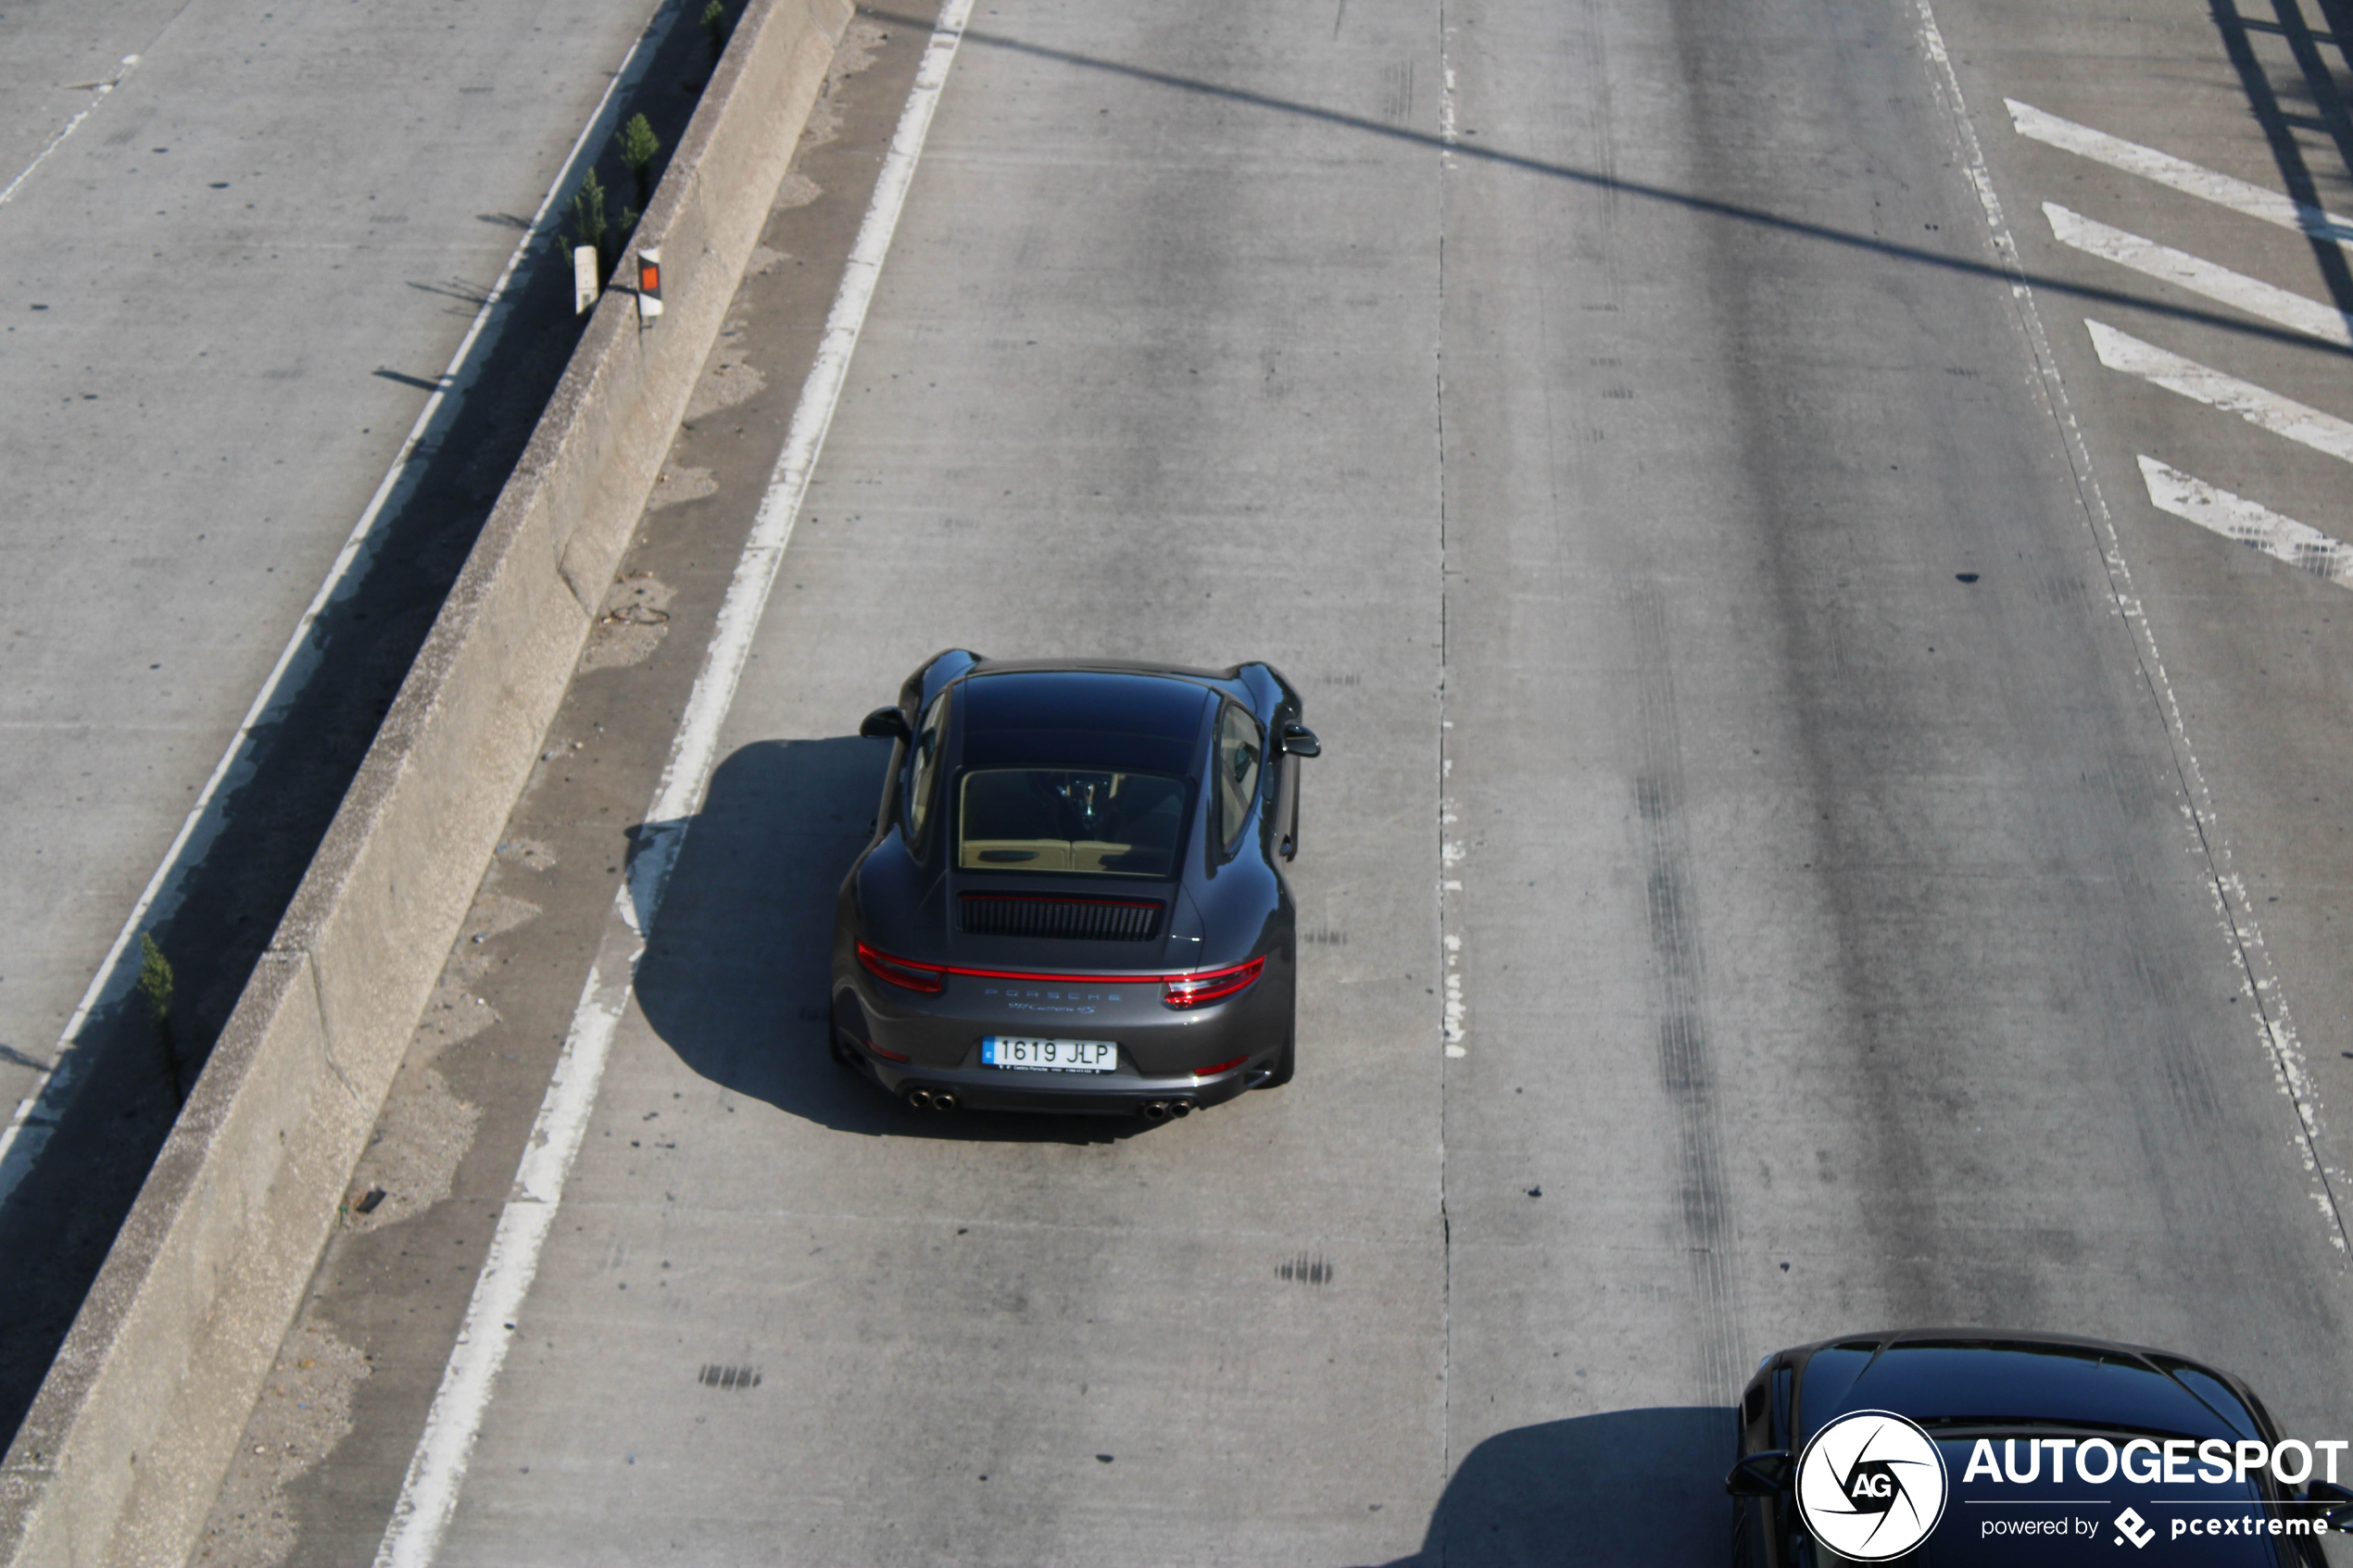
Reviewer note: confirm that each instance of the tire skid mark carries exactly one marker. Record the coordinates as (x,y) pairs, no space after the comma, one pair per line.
(1686,1067)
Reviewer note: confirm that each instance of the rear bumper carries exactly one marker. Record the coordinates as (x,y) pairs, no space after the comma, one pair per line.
(930,1045)
(1124,1093)
(907,1043)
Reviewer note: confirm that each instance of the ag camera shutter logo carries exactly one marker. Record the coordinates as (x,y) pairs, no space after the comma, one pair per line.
(1870,1485)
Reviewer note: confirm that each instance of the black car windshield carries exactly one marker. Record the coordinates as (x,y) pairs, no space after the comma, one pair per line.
(1070,819)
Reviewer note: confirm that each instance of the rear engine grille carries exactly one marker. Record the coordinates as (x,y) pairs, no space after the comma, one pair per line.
(1091,920)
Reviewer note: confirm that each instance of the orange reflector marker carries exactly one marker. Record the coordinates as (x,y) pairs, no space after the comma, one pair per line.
(648,283)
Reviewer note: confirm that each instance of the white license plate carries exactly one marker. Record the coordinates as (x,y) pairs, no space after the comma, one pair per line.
(1049,1056)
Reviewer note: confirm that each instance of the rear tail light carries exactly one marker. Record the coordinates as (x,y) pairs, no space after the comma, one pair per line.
(1193,990)
(1176,990)
(899,972)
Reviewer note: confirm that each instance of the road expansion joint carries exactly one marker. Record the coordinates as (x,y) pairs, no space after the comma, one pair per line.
(1452,1012)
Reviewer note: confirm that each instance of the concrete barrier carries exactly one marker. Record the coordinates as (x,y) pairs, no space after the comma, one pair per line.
(126,1444)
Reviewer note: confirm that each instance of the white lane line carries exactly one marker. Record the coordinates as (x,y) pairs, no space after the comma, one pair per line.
(2199,276)
(1446,125)
(437,1469)
(1457,1010)
(2223,190)
(2233,905)
(2257,406)
(37,1114)
(2235,517)
(98,91)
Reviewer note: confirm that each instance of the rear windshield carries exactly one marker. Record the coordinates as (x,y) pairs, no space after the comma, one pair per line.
(1069,820)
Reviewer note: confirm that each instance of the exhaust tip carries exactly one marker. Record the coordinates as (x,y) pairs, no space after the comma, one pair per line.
(919,1099)
(944,1100)
(1155,1111)
(1178,1108)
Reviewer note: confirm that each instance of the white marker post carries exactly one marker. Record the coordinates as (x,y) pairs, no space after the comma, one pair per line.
(584,280)
(649,285)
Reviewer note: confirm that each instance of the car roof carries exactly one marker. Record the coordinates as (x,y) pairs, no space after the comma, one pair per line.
(1133,702)
(1050,715)
(1116,666)
(1965,1378)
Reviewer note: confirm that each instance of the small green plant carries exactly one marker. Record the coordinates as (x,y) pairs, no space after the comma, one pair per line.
(629,216)
(715,28)
(588,224)
(640,146)
(154,989)
(155,979)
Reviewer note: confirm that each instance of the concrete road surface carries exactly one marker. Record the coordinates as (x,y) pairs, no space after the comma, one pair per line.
(1806,840)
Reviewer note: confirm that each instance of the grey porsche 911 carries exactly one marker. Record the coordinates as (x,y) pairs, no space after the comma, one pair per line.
(1073,898)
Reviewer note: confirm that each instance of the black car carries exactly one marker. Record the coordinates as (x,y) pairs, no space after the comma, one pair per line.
(1073,898)
(2052,1449)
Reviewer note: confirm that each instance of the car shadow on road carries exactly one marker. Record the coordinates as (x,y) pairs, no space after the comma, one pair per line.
(1640,1488)
(738,957)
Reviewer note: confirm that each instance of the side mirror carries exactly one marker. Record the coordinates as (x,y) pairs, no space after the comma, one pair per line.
(886,724)
(2337,1499)
(1760,1475)
(1300,741)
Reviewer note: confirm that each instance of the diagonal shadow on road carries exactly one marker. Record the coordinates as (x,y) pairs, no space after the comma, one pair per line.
(2005,273)
(2315,86)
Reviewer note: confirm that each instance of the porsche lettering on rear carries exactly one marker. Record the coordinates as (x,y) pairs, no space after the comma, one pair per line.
(1054,995)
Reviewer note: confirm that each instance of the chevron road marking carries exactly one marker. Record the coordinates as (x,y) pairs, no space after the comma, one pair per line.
(2254,201)
(2240,292)
(2280,416)
(2235,517)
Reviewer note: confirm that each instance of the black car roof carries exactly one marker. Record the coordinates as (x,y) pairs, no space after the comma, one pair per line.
(1104,701)
(1952,1376)
(1116,666)
(1102,716)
